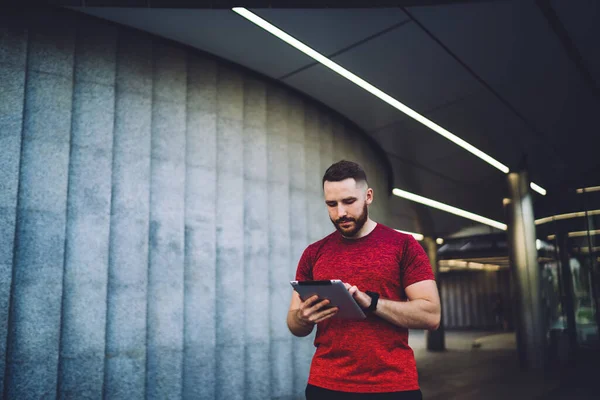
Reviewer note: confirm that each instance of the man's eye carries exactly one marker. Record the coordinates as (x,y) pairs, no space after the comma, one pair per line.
(349,201)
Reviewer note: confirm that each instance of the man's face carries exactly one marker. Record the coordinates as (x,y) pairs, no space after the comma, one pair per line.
(347,204)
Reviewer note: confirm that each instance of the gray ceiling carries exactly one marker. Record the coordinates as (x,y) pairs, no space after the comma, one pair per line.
(498,74)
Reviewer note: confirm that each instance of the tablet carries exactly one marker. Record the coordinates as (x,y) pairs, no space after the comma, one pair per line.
(335,292)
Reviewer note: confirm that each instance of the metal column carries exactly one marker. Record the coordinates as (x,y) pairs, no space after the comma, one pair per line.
(526,273)
(435,339)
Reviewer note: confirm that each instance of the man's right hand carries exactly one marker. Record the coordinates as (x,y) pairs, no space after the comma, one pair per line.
(313,311)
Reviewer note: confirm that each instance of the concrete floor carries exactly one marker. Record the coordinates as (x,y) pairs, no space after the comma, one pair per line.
(489,370)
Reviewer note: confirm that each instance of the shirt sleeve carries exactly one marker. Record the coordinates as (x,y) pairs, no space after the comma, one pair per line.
(416,266)
(304,270)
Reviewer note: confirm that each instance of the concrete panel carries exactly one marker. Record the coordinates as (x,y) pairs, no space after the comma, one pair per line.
(202,112)
(200,278)
(12,87)
(93,116)
(166,260)
(81,372)
(339,135)
(277,139)
(170,73)
(96,47)
(33,337)
(258,384)
(134,58)
(296,143)
(47,106)
(301,347)
(38,268)
(281,368)
(200,232)
(51,45)
(279,242)
(5,281)
(255,131)
(256,241)
(230,303)
(326,141)
(230,94)
(313,155)
(125,364)
(13,43)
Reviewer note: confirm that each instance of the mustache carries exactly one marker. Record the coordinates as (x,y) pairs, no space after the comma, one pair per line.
(342,220)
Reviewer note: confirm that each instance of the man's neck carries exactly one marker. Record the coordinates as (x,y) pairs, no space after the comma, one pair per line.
(365,230)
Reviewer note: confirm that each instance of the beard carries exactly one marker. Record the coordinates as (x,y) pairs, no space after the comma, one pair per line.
(358,223)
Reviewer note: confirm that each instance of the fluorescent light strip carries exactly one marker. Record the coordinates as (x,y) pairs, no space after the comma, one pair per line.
(578,214)
(462,264)
(444,207)
(367,86)
(417,236)
(588,189)
(315,55)
(537,188)
(578,234)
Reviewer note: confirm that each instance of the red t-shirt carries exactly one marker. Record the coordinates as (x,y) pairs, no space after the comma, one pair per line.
(370,355)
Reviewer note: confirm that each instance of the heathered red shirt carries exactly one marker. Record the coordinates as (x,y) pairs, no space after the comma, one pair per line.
(370,355)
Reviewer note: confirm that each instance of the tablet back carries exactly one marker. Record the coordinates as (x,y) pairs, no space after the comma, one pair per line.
(335,292)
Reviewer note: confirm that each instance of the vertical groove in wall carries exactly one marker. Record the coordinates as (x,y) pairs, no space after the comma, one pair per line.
(279,239)
(299,197)
(13,80)
(256,242)
(88,215)
(230,235)
(125,353)
(38,268)
(326,159)
(200,229)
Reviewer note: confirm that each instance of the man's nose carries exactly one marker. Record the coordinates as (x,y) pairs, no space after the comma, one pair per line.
(341,210)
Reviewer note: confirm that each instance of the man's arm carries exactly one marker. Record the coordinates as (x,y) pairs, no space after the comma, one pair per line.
(421,311)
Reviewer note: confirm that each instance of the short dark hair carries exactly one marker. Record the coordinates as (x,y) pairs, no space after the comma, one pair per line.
(343,170)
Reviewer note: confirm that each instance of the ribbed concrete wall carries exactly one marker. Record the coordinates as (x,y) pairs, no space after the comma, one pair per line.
(154,203)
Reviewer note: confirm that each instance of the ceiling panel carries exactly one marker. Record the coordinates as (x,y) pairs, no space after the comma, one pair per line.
(220,32)
(580,18)
(329,30)
(409,66)
(343,96)
(567,111)
(502,41)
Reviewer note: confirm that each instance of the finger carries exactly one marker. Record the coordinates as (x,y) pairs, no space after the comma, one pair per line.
(325,315)
(309,302)
(318,306)
(348,286)
(353,290)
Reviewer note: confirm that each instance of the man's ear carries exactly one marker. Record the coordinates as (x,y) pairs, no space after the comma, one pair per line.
(369,196)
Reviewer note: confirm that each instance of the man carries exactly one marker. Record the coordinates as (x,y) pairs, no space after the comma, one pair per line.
(389,276)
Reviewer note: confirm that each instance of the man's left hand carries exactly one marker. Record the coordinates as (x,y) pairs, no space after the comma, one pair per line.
(363,299)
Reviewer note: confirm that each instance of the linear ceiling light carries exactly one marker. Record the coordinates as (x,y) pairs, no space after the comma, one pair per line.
(445,207)
(588,189)
(578,214)
(537,188)
(292,41)
(577,234)
(417,236)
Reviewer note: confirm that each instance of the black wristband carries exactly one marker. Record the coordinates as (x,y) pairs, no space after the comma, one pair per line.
(374,299)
